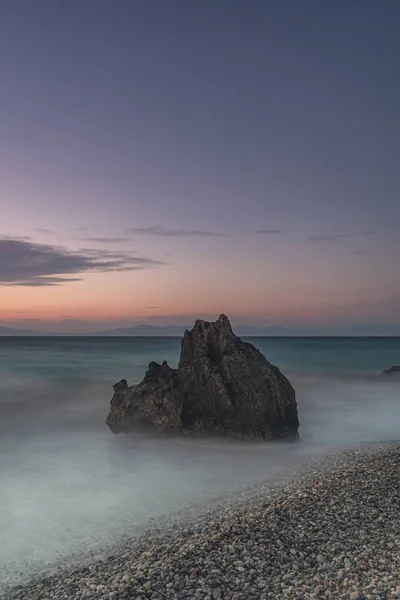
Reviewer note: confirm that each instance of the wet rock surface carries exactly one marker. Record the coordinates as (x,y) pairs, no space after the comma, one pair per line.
(222,386)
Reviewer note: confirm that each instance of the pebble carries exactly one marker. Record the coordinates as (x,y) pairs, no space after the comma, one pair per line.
(330,533)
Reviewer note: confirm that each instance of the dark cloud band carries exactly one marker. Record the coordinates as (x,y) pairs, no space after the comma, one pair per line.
(24,263)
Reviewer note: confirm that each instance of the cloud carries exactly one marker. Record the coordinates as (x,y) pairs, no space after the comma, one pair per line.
(15,237)
(365,252)
(374,252)
(29,321)
(28,264)
(327,238)
(39,281)
(46,231)
(369,232)
(269,231)
(158,230)
(106,240)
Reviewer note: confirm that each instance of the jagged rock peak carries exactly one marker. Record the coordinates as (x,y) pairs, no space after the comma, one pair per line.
(207,339)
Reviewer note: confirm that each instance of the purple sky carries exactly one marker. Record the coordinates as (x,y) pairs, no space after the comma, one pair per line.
(161,160)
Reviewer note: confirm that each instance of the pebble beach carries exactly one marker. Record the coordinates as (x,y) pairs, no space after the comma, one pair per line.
(331,531)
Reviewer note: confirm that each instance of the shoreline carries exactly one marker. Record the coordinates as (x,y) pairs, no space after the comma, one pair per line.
(329,529)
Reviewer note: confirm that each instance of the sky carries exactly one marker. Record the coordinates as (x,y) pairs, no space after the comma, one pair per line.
(164,161)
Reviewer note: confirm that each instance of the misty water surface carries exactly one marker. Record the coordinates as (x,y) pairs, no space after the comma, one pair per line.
(69,485)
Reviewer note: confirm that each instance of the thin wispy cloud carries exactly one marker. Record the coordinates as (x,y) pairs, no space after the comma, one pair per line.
(158,230)
(46,231)
(29,320)
(105,240)
(29,264)
(369,232)
(365,252)
(327,238)
(374,252)
(23,238)
(269,231)
(39,281)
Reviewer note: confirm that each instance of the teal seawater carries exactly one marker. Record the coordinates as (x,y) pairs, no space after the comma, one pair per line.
(110,359)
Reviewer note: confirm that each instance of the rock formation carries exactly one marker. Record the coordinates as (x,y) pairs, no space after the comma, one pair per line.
(395,370)
(222,386)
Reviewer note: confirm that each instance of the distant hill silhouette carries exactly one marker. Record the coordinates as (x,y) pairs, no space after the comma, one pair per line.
(146,330)
(10,331)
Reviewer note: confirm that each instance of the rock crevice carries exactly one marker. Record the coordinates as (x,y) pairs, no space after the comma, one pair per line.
(222,386)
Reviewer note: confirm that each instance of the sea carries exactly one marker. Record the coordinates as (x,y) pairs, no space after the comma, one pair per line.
(70,488)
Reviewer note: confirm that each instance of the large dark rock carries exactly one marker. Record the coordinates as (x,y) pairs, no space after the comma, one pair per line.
(222,386)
